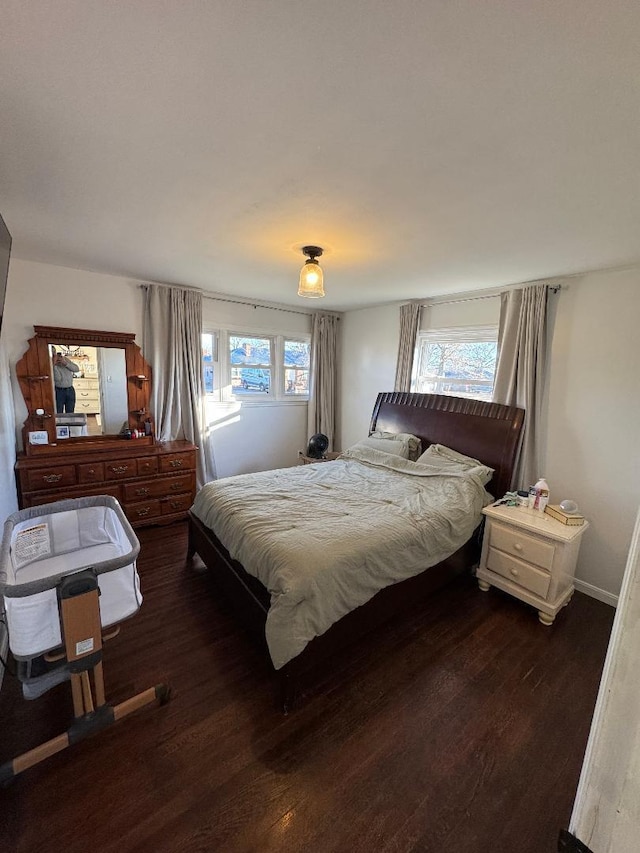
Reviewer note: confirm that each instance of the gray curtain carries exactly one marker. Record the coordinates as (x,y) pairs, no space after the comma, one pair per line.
(322,394)
(409,320)
(520,372)
(172,344)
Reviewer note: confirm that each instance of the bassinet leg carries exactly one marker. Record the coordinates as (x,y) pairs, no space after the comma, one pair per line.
(76,691)
(98,680)
(86,693)
(82,727)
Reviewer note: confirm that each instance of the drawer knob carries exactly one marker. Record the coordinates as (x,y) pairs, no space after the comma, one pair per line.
(92,470)
(142,492)
(143,512)
(51,478)
(515,572)
(119,469)
(175,487)
(517,546)
(175,463)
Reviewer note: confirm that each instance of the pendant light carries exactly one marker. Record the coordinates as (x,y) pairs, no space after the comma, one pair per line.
(311,283)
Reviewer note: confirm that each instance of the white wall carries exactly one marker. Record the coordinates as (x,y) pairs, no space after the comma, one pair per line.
(594,415)
(246,437)
(592,412)
(368,366)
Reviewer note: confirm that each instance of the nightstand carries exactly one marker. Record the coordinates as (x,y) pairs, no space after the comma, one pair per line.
(531,556)
(309,460)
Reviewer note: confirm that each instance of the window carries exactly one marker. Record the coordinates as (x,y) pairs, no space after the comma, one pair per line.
(296,367)
(460,362)
(254,367)
(250,360)
(209,361)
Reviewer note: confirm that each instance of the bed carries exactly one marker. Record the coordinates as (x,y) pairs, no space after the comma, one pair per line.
(396,568)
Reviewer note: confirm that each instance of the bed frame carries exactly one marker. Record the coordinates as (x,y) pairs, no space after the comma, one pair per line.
(486,431)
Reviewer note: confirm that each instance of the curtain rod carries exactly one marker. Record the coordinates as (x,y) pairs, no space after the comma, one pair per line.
(257,305)
(554,288)
(254,305)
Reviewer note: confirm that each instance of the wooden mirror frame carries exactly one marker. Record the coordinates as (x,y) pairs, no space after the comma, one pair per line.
(34,375)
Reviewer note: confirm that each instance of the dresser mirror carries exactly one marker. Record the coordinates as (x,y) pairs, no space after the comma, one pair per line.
(103,384)
(90,391)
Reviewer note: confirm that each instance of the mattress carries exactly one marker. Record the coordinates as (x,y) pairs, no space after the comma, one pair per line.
(324,539)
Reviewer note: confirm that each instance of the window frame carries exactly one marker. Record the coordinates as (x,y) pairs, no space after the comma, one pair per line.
(301,339)
(454,335)
(214,394)
(277,394)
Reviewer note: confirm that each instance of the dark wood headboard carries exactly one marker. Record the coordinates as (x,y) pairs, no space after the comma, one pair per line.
(489,432)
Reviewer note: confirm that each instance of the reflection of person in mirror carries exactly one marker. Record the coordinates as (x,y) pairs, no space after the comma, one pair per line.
(63,370)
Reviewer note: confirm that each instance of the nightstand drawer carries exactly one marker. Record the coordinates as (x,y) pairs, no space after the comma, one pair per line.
(524,547)
(535,580)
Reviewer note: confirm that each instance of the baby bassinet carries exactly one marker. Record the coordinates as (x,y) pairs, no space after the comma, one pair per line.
(68,571)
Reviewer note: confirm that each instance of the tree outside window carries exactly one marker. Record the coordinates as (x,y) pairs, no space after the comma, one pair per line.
(459,362)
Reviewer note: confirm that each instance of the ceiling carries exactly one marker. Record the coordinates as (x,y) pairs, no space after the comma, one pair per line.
(429,146)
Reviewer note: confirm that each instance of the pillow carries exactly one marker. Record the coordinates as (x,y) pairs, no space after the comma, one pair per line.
(413,442)
(386,445)
(439,452)
(447,460)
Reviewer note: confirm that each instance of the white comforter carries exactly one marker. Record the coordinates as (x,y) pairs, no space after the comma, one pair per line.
(323,539)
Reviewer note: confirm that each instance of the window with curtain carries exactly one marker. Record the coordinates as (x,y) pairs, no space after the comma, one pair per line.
(457,361)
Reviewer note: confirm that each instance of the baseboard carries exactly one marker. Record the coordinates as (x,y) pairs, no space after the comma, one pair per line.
(596,592)
(568,843)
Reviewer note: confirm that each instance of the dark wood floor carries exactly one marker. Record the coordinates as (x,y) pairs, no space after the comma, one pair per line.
(459,729)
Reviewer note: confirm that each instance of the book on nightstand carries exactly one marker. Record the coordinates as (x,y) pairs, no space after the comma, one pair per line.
(571,518)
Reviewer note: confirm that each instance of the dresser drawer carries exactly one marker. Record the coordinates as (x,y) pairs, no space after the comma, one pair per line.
(87,406)
(160,488)
(88,396)
(529,577)
(91,472)
(177,462)
(86,385)
(35,499)
(50,478)
(147,465)
(176,503)
(120,469)
(143,511)
(520,545)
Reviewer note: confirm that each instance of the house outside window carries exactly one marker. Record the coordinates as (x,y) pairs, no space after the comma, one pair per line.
(251,364)
(460,362)
(296,367)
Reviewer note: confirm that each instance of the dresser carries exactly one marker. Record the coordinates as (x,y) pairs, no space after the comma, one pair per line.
(87,395)
(155,483)
(531,556)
